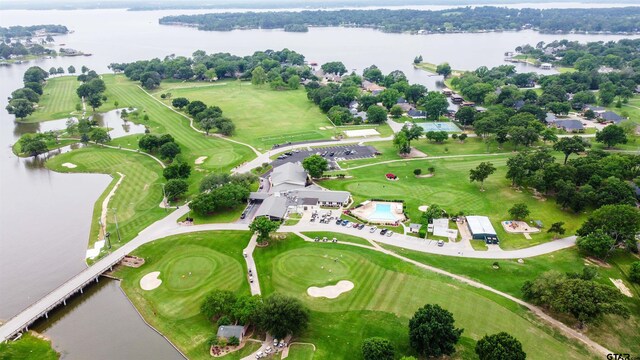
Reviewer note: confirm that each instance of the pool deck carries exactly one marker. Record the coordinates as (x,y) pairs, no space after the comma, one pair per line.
(369,211)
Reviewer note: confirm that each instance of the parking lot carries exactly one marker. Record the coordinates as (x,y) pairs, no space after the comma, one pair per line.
(332,153)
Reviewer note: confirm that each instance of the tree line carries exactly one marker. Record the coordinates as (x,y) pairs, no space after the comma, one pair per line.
(7,33)
(463,19)
(207,117)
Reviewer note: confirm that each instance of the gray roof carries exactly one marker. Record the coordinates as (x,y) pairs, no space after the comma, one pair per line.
(594,108)
(611,116)
(518,104)
(227,331)
(273,206)
(550,118)
(289,173)
(258,195)
(415,226)
(570,124)
(322,196)
(480,225)
(416,113)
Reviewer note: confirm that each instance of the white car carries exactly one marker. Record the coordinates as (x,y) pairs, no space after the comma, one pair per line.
(275,342)
(268,350)
(259,355)
(389,233)
(440,243)
(373,229)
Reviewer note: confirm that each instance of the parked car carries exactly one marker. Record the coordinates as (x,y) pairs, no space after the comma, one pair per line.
(243,216)
(383,231)
(288,153)
(441,243)
(355,225)
(259,355)
(339,222)
(361,226)
(275,342)
(373,229)
(389,233)
(331,154)
(345,222)
(281,344)
(316,239)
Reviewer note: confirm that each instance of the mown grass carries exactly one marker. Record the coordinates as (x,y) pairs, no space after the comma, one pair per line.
(341,237)
(137,198)
(387,292)
(262,116)
(190,267)
(28,347)
(58,100)
(300,352)
(51,145)
(451,189)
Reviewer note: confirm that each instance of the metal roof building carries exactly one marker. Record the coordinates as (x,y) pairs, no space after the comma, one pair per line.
(481,228)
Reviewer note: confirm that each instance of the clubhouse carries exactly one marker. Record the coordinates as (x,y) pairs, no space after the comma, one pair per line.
(481,229)
(291,191)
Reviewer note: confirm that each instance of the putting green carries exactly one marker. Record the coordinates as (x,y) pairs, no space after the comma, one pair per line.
(188,272)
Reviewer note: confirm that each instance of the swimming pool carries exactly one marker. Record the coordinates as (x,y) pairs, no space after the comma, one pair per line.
(382,212)
(439,126)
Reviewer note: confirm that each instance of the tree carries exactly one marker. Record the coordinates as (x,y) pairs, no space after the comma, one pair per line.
(549,135)
(401,143)
(417,59)
(169,150)
(557,228)
(443,69)
(95,101)
(175,188)
(500,346)
(35,74)
(466,115)
(203,204)
(71,69)
(435,104)
(263,226)
(180,102)
(396,111)
(247,309)
(377,348)
(26,93)
(84,69)
(437,136)
(634,272)
(588,301)
(32,145)
(376,114)
(283,315)
(217,303)
(432,332)
(315,165)
(148,142)
(99,136)
(21,108)
(462,137)
(258,76)
(481,173)
(334,67)
(597,243)
(35,86)
(417,172)
(568,146)
(621,222)
(294,82)
(196,107)
(207,124)
(611,136)
(519,211)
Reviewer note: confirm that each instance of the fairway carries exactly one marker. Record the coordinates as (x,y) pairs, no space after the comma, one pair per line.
(262,116)
(387,292)
(450,188)
(58,99)
(190,267)
(136,199)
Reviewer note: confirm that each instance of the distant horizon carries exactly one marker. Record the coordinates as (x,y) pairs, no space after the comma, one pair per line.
(274,4)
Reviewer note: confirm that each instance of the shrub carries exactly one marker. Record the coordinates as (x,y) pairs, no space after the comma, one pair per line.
(233,341)
(224,320)
(417,172)
(634,272)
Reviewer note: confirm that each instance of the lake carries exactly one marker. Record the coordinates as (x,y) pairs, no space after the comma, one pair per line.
(45,216)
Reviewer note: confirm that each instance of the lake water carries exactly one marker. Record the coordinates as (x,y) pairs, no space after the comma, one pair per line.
(45,216)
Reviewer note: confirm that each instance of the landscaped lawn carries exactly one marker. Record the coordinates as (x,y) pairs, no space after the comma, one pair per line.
(137,198)
(190,267)
(387,292)
(262,116)
(28,347)
(300,352)
(450,188)
(341,237)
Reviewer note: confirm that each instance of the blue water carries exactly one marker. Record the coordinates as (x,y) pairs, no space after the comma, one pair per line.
(439,126)
(382,212)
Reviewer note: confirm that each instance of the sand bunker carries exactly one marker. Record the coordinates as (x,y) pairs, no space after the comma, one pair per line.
(70,165)
(361,133)
(150,281)
(331,291)
(622,287)
(423,208)
(201,159)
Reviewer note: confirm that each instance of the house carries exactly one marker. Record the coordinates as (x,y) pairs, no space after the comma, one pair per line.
(569,125)
(468,103)
(416,114)
(401,100)
(353,104)
(595,109)
(405,106)
(518,104)
(550,118)
(415,228)
(481,229)
(362,115)
(637,91)
(288,176)
(229,331)
(457,98)
(372,87)
(611,117)
(545,66)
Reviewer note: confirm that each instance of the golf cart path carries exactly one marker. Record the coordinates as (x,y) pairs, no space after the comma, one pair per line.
(251,265)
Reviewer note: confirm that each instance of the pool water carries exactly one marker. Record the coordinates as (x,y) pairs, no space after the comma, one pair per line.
(382,213)
(439,126)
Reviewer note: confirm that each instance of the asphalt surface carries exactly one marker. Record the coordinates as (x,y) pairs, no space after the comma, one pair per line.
(340,153)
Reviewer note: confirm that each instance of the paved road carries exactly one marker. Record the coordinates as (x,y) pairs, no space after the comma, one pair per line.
(251,265)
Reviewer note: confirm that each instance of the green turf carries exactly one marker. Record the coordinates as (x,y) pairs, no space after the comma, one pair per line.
(300,352)
(451,189)
(58,100)
(263,117)
(341,237)
(215,262)
(28,347)
(387,292)
(51,145)
(137,198)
